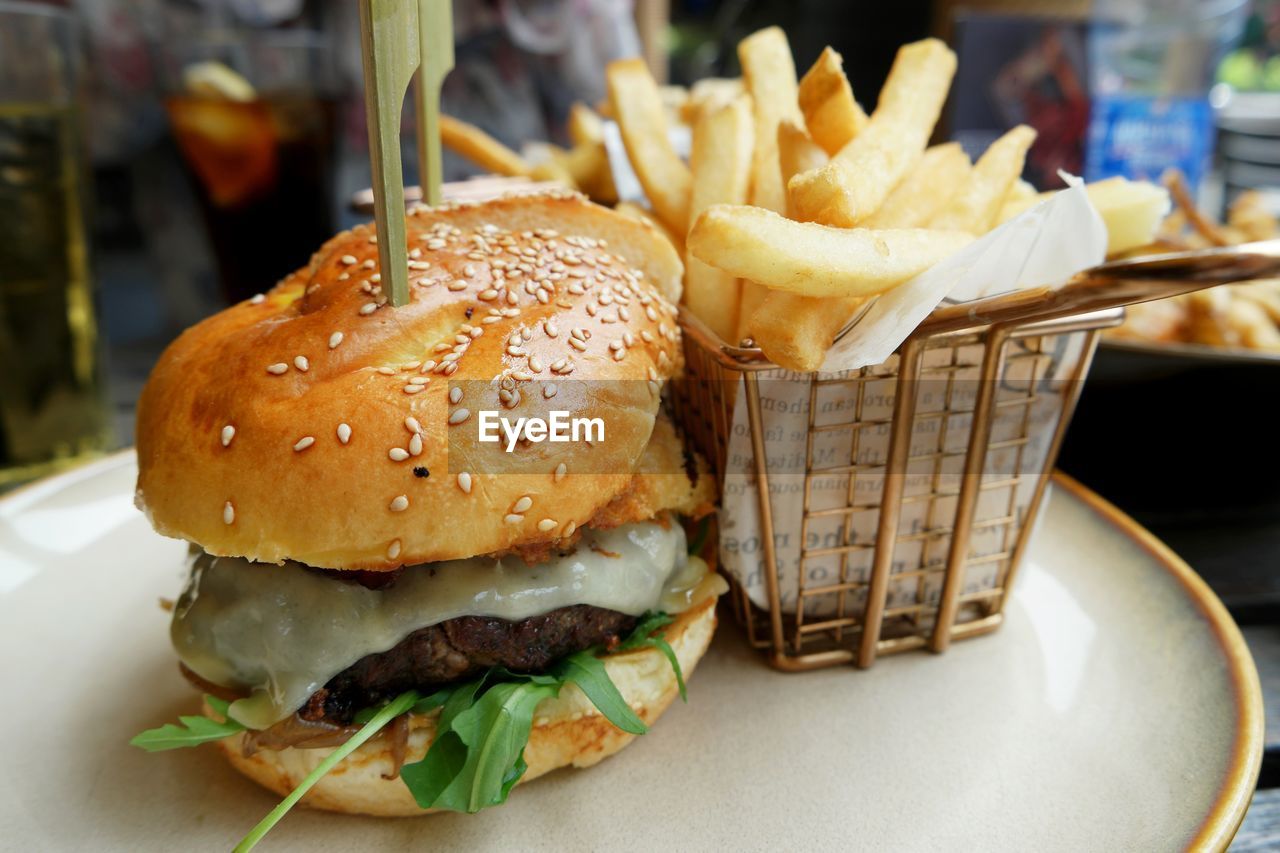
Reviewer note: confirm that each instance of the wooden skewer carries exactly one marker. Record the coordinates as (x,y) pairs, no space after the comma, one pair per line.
(435,47)
(395,36)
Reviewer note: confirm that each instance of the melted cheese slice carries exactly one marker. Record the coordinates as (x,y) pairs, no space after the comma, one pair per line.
(281,632)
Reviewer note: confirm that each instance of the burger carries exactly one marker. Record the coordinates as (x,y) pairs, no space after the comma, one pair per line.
(375,582)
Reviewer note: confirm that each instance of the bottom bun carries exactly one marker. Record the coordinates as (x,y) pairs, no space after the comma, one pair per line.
(567,730)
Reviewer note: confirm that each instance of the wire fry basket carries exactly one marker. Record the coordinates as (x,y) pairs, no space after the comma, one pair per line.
(904,495)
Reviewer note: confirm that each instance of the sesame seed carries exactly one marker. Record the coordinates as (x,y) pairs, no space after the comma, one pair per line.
(570,527)
(387,371)
(368,308)
(487,295)
(646,336)
(348,259)
(400,503)
(551,329)
(464,482)
(335,339)
(458,416)
(412,425)
(535,364)
(614,346)
(368,264)
(547,524)
(512,518)
(457,286)
(522,505)
(228,433)
(560,471)
(344,276)
(398,454)
(258,299)
(414,388)
(415,445)
(228,513)
(549,390)
(455,395)
(304,442)
(624,313)
(651,314)
(577,344)
(375,278)
(410,365)
(393,550)
(300,362)
(278,368)
(344,433)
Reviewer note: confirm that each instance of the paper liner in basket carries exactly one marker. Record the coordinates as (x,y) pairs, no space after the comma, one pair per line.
(1045,245)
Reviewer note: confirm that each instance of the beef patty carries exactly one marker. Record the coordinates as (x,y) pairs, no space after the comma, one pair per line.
(461,648)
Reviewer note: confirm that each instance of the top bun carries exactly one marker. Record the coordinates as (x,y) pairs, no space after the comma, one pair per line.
(291,426)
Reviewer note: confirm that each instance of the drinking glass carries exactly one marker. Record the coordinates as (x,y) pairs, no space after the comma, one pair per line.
(52,402)
(261,156)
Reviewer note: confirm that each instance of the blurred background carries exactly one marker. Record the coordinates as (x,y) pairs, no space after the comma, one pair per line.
(142,187)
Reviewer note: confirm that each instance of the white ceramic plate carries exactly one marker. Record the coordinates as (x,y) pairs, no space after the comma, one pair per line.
(1116,710)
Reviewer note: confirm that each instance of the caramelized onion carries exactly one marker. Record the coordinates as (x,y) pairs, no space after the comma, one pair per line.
(293,731)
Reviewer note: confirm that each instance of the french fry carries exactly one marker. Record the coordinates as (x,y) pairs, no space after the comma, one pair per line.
(640,214)
(769,74)
(813,259)
(642,120)
(584,125)
(860,177)
(721,159)
(1176,183)
(589,166)
(553,170)
(1132,211)
(975,207)
(796,151)
(480,148)
(796,331)
(923,192)
(709,93)
(826,99)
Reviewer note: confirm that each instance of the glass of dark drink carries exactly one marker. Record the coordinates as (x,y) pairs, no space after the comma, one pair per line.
(255,117)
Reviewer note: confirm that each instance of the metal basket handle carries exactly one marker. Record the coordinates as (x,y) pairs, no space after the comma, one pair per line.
(1113,285)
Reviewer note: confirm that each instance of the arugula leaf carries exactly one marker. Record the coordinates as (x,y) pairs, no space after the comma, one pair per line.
(193,731)
(480,755)
(386,714)
(587,671)
(422,706)
(660,643)
(700,538)
(644,635)
(648,623)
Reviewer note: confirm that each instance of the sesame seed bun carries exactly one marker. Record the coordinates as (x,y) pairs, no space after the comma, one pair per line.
(567,731)
(314,424)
